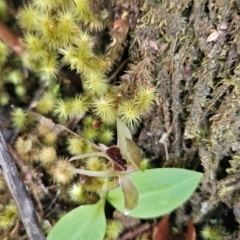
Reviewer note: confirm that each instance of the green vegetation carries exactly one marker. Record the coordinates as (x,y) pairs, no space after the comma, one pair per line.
(145,195)
(70,103)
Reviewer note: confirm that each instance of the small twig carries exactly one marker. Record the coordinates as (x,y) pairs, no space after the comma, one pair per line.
(72,123)
(111,78)
(137,231)
(19,193)
(164,140)
(12,40)
(58,128)
(51,204)
(38,94)
(26,171)
(13,232)
(36,198)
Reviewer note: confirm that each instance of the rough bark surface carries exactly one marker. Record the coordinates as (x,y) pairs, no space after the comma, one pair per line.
(196,66)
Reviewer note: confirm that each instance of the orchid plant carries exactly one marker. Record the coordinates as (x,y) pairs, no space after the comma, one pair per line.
(142,194)
(125,158)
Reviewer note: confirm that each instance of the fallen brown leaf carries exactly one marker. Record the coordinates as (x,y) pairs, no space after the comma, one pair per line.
(12,40)
(163,232)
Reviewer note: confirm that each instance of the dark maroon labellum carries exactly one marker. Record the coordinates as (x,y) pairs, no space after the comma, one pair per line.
(115,154)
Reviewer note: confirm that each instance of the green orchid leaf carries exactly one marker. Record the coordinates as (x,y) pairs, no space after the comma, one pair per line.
(83,223)
(130,193)
(160,191)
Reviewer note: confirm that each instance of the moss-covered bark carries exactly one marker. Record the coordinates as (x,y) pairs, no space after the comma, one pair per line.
(196,68)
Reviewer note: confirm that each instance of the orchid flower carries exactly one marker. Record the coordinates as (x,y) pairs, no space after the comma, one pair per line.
(125,158)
